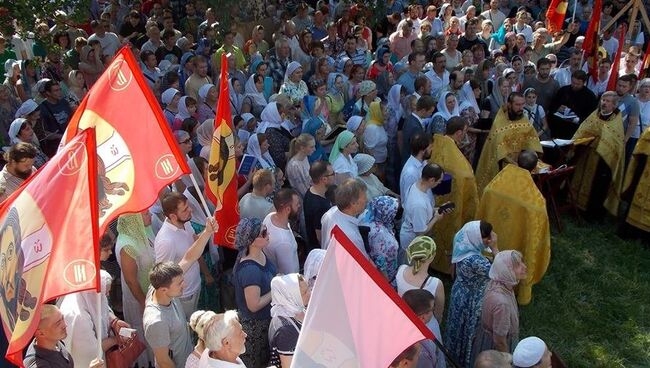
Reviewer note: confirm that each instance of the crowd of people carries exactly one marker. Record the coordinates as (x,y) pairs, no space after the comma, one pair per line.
(422,136)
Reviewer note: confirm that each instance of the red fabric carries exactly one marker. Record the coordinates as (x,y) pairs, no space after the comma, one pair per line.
(222,171)
(49,232)
(555,15)
(137,153)
(645,65)
(613,74)
(590,45)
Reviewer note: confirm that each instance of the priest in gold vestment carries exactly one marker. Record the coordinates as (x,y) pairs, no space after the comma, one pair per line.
(515,207)
(445,152)
(636,186)
(510,134)
(599,159)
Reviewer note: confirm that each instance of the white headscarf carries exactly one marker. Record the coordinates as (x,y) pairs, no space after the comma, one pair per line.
(253,148)
(168,95)
(270,117)
(442,108)
(204,90)
(313,264)
(250,90)
(14,129)
(503,268)
(26,108)
(353,123)
(286,300)
(182,110)
(291,68)
(204,132)
(236,98)
(467,96)
(467,242)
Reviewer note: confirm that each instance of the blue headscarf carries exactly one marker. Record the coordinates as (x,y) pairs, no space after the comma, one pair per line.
(311,125)
(331,83)
(467,242)
(383,210)
(340,64)
(380,55)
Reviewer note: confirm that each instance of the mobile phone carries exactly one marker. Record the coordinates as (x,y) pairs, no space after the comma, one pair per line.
(446,206)
(127,332)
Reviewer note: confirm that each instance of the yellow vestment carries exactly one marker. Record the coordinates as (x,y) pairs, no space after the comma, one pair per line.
(516,209)
(445,153)
(506,139)
(607,145)
(639,213)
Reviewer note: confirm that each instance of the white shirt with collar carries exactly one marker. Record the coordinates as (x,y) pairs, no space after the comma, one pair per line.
(411,172)
(348,224)
(438,83)
(170,245)
(207,362)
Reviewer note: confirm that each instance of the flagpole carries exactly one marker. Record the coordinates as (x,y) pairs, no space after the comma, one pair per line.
(98,325)
(575,8)
(200,193)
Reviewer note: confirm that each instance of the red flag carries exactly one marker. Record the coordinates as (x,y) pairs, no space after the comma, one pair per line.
(555,15)
(48,231)
(590,45)
(645,66)
(137,153)
(613,74)
(370,324)
(222,171)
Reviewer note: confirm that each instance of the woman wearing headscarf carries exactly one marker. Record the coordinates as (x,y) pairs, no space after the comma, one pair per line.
(270,117)
(293,85)
(415,275)
(312,266)
(473,113)
(186,68)
(80,314)
(26,85)
(499,326)
(186,110)
(375,138)
(252,275)
(76,88)
(344,66)
(170,99)
(367,94)
(21,131)
(289,298)
(471,269)
(499,96)
(208,96)
(380,64)
(315,127)
(383,244)
(254,99)
(337,96)
(90,64)
(135,255)
(204,137)
(357,125)
(258,146)
(236,96)
(447,108)
(341,156)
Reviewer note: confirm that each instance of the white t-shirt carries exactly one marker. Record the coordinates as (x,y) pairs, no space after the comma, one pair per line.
(411,172)
(282,250)
(417,214)
(376,140)
(110,42)
(343,165)
(170,244)
(254,206)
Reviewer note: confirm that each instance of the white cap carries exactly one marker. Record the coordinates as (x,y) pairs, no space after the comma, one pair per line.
(528,352)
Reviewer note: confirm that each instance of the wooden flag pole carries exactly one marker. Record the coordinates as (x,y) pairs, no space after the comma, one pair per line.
(98,325)
(200,193)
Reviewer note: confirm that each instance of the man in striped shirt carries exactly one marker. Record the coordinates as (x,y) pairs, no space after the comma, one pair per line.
(19,167)
(358,56)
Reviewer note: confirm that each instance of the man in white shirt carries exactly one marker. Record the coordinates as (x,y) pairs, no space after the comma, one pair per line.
(282,250)
(563,75)
(439,75)
(150,71)
(173,240)
(154,42)
(494,15)
(351,200)
(412,170)
(420,214)
(109,40)
(255,204)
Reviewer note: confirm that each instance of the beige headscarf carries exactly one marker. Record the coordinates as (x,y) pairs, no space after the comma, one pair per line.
(421,249)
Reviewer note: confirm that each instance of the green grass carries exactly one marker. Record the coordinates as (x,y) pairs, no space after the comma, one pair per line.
(593,305)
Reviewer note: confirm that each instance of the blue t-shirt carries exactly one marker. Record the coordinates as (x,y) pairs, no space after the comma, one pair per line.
(251,273)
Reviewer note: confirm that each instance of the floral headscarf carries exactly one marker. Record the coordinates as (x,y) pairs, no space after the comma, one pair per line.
(247,231)
(383,210)
(467,242)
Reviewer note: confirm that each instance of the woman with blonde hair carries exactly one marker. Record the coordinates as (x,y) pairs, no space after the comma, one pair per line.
(198,322)
(298,166)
